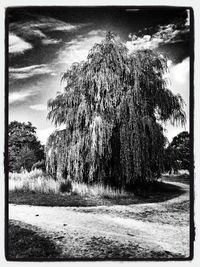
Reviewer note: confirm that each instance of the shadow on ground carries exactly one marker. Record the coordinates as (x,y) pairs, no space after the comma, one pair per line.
(25,243)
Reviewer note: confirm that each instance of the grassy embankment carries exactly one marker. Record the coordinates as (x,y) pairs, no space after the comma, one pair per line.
(36,188)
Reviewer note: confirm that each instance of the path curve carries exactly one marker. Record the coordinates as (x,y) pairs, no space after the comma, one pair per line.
(84,231)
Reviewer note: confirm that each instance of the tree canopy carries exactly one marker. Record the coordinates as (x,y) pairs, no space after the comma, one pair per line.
(23,147)
(177,153)
(112,106)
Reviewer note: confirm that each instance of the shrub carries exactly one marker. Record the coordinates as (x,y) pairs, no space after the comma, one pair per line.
(65,186)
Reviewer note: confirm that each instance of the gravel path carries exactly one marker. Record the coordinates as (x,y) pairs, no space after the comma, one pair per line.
(133,231)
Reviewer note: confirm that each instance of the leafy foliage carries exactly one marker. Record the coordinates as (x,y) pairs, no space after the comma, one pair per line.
(112,105)
(177,154)
(23,147)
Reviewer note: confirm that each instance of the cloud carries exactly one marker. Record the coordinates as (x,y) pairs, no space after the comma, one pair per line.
(167,34)
(51,41)
(180,72)
(30,71)
(77,49)
(145,42)
(45,133)
(41,27)
(64,27)
(35,32)
(95,33)
(39,107)
(49,24)
(187,23)
(17,45)
(179,76)
(17,97)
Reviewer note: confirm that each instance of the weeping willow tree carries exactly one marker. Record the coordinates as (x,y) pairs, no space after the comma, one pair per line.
(113,106)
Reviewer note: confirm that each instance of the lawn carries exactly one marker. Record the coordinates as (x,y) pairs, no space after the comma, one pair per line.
(36,188)
(160,191)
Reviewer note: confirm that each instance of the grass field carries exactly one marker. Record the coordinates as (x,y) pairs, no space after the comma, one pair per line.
(36,189)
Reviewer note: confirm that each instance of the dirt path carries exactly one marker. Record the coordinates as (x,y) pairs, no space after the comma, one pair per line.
(140,230)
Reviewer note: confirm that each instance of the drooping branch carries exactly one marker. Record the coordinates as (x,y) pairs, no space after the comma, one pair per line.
(109,106)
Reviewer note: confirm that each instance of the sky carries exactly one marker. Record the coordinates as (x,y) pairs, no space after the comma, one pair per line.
(44,42)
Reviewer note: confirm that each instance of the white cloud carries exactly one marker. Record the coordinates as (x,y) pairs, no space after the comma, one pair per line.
(30,71)
(145,42)
(39,107)
(17,45)
(16,97)
(45,133)
(51,41)
(180,84)
(96,33)
(40,27)
(171,33)
(188,18)
(77,49)
(64,27)
(37,33)
(51,24)
(180,72)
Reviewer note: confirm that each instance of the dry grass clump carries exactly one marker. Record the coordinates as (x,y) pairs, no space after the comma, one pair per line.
(97,190)
(34,181)
(37,181)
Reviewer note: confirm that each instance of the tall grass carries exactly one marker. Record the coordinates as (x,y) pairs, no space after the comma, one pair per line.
(37,181)
(97,190)
(34,181)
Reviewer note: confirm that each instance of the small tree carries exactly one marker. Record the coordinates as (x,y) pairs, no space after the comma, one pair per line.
(177,154)
(112,105)
(23,147)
